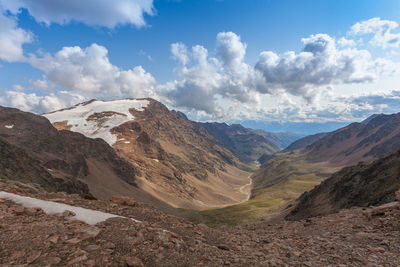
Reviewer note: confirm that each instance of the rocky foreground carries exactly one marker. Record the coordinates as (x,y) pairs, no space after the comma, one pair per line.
(30,237)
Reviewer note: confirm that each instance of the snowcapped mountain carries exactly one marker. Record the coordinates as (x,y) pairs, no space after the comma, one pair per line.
(95,118)
(179,161)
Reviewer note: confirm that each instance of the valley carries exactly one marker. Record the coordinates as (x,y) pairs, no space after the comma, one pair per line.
(208,133)
(142,161)
(205,172)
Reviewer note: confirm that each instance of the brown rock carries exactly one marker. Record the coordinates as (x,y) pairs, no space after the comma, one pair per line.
(380,210)
(53,239)
(109,245)
(53,260)
(73,241)
(89,232)
(134,262)
(17,254)
(68,213)
(123,200)
(35,255)
(31,211)
(90,263)
(17,210)
(78,259)
(398,195)
(92,248)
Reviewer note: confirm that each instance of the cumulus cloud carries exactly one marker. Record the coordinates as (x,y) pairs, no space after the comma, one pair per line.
(39,104)
(286,108)
(179,52)
(199,81)
(91,12)
(343,42)
(89,72)
(218,83)
(12,38)
(320,64)
(208,81)
(381,30)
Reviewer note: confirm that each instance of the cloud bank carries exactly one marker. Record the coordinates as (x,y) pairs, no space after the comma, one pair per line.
(215,84)
(322,63)
(91,12)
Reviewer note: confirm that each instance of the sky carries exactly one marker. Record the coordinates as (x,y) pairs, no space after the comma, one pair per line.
(279,65)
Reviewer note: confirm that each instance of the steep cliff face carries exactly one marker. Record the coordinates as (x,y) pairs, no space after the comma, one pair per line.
(178,160)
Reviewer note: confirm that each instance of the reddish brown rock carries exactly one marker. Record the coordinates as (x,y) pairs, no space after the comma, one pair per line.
(134,262)
(122,200)
(33,257)
(18,210)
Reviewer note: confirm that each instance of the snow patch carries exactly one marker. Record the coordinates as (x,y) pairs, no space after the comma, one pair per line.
(156,160)
(118,110)
(9,126)
(88,216)
(127,142)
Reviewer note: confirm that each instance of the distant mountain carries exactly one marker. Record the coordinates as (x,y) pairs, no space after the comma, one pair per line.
(247,144)
(360,185)
(358,141)
(293,172)
(179,161)
(304,142)
(373,116)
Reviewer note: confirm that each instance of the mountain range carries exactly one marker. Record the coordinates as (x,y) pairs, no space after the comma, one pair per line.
(134,159)
(140,148)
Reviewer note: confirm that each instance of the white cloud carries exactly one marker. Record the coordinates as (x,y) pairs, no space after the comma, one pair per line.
(180,53)
(39,104)
(89,72)
(208,83)
(91,12)
(381,30)
(12,39)
(199,81)
(320,64)
(286,108)
(343,42)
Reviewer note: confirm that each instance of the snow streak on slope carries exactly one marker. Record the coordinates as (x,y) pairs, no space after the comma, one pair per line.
(88,216)
(96,119)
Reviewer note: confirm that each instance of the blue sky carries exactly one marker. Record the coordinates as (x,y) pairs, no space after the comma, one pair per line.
(338,72)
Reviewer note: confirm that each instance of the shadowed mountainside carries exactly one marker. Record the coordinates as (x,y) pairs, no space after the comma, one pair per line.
(304,142)
(246,144)
(35,153)
(364,184)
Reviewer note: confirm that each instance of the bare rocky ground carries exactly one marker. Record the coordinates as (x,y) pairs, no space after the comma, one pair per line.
(29,237)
